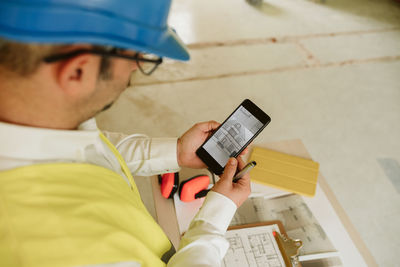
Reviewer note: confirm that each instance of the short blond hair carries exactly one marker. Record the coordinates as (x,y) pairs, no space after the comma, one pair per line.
(24,58)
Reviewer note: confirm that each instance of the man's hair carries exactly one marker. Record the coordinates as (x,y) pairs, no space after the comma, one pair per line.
(23,59)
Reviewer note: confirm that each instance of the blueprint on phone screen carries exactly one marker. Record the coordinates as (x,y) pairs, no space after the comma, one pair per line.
(232,135)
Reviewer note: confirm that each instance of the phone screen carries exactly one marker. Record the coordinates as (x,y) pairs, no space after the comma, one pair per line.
(230,138)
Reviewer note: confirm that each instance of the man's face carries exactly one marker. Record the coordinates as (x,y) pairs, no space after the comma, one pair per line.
(112,81)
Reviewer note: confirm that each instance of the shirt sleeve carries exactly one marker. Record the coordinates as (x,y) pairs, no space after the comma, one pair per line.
(204,243)
(146,156)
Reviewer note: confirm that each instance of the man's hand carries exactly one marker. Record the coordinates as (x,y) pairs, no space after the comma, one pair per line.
(191,140)
(238,192)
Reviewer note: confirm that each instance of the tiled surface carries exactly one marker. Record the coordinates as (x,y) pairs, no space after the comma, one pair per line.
(224,20)
(326,73)
(344,48)
(391,167)
(267,55)
(214,62)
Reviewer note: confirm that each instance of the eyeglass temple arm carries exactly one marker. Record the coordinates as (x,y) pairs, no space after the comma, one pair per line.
(136,57)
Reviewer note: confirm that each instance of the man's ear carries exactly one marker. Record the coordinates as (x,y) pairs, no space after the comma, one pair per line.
(78,75)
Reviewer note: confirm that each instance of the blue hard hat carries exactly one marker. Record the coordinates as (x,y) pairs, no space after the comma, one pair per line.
(139,25)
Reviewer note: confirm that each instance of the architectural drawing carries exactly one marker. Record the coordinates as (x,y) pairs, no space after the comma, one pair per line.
(295,215)
(252,247)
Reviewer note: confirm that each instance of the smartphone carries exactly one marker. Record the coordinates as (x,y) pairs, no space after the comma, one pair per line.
(233,136)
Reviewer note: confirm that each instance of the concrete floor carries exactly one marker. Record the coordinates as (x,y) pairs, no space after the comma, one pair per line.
(326,72)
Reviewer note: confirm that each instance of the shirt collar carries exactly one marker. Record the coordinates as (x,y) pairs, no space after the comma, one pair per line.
(23,142)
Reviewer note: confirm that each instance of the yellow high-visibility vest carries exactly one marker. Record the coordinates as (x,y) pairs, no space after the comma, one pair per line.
(70,214)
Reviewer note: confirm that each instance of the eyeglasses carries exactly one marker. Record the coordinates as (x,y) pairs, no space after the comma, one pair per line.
(147,63)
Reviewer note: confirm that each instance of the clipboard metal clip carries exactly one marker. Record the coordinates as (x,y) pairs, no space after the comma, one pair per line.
(290,249)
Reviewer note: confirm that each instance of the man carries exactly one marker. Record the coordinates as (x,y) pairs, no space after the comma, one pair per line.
(67,197)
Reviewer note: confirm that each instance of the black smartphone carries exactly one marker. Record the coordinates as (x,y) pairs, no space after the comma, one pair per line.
(233,136)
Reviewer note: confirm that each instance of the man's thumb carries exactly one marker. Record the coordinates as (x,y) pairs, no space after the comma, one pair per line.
(230,170)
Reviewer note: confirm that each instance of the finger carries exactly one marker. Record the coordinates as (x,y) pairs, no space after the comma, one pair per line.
(229,171)
(244,152)
(245,178)
(241,163)
(207,126)
(243,182)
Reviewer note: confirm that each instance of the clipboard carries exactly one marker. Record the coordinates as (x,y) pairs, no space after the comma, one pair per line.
(268,241)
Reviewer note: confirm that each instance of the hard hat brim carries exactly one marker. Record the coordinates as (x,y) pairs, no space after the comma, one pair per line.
(36,25)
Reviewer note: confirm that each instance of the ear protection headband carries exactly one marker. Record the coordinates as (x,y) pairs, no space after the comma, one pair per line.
(189,190)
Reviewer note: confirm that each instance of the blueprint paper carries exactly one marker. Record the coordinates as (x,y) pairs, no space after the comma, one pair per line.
(253,246)
(297,218)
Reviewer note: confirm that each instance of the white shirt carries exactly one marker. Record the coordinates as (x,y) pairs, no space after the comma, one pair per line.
(202,245)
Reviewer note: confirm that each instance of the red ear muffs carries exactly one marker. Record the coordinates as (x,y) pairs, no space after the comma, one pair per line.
(169,184)
(195,187)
